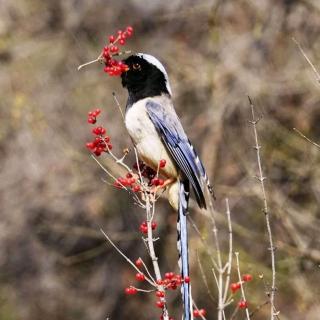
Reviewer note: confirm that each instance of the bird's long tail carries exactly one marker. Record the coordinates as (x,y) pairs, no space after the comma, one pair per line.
(182,244)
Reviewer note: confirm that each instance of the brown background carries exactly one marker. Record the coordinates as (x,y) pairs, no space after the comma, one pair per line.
(54,263)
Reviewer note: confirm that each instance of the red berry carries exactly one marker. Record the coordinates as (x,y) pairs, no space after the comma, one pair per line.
(160,304)
(129,175)
(202,312)
(160,294)
(138,262)
(196,313)
(122,42)
(129,29)
(117,185)
(160,182)
(130,290)
(132,181)
(153,225)
(242,304)
(187,279)
(90,145)
(92,120)
(159,282)
(136,188)
(247,277)
(155,181)
(127,290)
(235,287)
(114,49)
(169,275)
(143,228)
(162,163)
(112,39)
(140,277)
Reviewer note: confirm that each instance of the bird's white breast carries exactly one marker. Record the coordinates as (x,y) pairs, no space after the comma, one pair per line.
(146,138)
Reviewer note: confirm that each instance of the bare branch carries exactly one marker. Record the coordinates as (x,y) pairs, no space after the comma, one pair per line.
(306,138)
(265,209)
(308,60)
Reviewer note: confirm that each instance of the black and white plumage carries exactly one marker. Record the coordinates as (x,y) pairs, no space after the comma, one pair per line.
(157,133)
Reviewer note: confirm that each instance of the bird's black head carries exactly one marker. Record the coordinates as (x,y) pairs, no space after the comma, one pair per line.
(145,78)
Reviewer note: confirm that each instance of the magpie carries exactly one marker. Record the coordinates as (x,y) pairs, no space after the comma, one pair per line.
(157,133)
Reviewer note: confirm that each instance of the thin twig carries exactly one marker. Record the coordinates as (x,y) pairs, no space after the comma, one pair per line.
(258,308)
(308,60)
(241,285)
(261,178)
(306,138)
(203,241)
(147,270)
(118,105)
(226,288)
(219,262)
(204,278)
(124,256)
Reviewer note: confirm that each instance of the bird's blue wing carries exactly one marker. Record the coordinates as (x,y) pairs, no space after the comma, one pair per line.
(170,129)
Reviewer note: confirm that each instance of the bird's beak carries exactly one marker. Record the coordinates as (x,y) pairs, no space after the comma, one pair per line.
(126,69)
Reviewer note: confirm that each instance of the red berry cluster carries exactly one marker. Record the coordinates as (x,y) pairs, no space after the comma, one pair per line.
(199,313)
(140,276)
(172,280)
(130,290)
(235,286)
(144,226)
(243,304)
(128,181)
(101,142)
(149,173)
(112,66)
(92,116)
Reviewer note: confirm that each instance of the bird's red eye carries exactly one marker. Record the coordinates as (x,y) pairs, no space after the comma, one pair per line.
(136,66)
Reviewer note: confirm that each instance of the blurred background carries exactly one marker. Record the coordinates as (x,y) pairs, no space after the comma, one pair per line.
(54,262)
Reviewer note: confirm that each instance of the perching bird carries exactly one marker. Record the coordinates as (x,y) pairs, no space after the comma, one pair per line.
(157,133)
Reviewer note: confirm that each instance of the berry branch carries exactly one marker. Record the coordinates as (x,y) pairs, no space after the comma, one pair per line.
(110,50)
(242,304)
(145,186)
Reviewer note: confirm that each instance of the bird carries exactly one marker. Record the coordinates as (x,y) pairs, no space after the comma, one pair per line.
(157,133)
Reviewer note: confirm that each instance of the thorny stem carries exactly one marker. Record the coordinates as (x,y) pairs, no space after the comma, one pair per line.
(240,281)
(261,178)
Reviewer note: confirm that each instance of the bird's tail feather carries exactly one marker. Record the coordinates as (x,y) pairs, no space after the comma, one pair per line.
(182,244)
